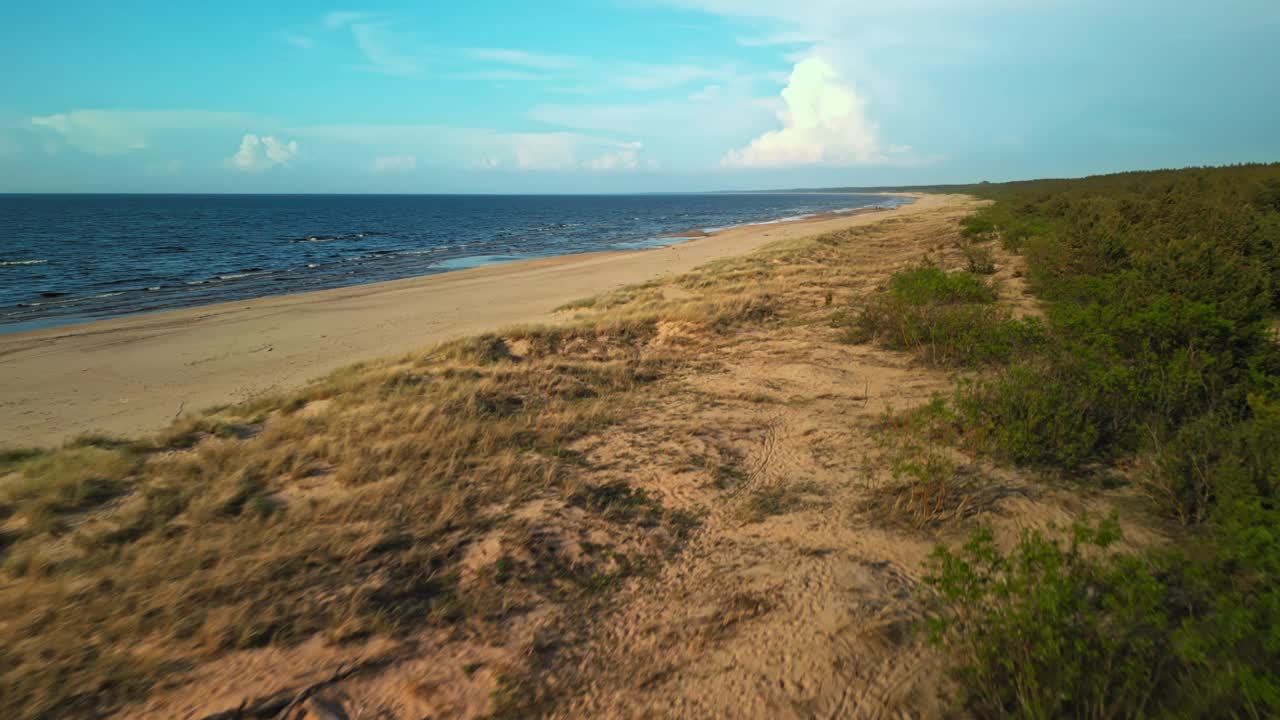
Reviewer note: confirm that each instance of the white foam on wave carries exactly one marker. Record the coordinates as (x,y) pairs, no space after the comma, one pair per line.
(8,263)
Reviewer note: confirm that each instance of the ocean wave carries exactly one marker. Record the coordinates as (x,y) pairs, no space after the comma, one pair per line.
(14,263)
(335,238)
(428,251)
(223,277)
(70,300)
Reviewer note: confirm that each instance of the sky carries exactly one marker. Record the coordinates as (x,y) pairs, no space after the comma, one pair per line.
(511,96)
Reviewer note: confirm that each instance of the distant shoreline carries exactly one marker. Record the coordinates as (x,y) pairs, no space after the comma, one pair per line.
(132,375)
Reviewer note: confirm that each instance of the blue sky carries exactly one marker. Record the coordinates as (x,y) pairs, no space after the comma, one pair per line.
(625,95)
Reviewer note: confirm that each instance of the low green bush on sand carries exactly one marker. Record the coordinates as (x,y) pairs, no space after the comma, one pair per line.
(1159,364)
(946,318)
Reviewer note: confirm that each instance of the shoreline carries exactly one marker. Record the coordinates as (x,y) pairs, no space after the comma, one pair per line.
(133,375)
(52,305)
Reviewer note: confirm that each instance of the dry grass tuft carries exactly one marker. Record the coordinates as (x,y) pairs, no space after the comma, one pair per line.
(932,486)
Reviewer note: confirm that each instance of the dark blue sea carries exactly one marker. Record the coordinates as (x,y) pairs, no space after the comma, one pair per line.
(71,258)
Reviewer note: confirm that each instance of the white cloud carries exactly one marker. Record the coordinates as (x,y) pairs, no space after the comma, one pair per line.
(115,132)
(710,116)
(658,77)
(385,50)
(824,122)
(483,148)
(545,151)
(394,163)
(626,157)
(522,58)
(572,151)
(382,48)
(95,132)
(262,153)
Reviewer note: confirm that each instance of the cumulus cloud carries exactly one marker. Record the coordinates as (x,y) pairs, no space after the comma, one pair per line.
(824,122)
(394,163)
(262,153)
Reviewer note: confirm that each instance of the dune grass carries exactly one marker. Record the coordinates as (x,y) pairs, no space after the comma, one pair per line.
(343,510)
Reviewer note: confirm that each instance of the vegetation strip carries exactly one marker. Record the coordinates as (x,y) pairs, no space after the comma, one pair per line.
(1157,365)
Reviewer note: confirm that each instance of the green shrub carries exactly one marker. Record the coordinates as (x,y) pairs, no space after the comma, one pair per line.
(945,318)
(1160,288)
(978,259)
(1228,640)
(1048,630)
(930,285)
(1051,631)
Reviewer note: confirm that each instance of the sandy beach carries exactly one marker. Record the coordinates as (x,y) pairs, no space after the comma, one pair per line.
(133,375)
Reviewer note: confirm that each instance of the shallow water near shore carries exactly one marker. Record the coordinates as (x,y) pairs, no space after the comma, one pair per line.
(71,258)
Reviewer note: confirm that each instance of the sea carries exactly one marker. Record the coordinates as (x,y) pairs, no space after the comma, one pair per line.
(73,258)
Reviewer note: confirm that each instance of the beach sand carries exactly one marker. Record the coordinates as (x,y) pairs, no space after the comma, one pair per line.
(132,376)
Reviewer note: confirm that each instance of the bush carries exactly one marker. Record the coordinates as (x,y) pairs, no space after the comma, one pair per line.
(1160,287)
(979,259)
(929,285)
(945,318)
(1048,631)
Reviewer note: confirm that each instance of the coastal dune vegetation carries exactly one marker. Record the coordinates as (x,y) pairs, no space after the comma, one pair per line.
(1156,366)
(1111,340)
